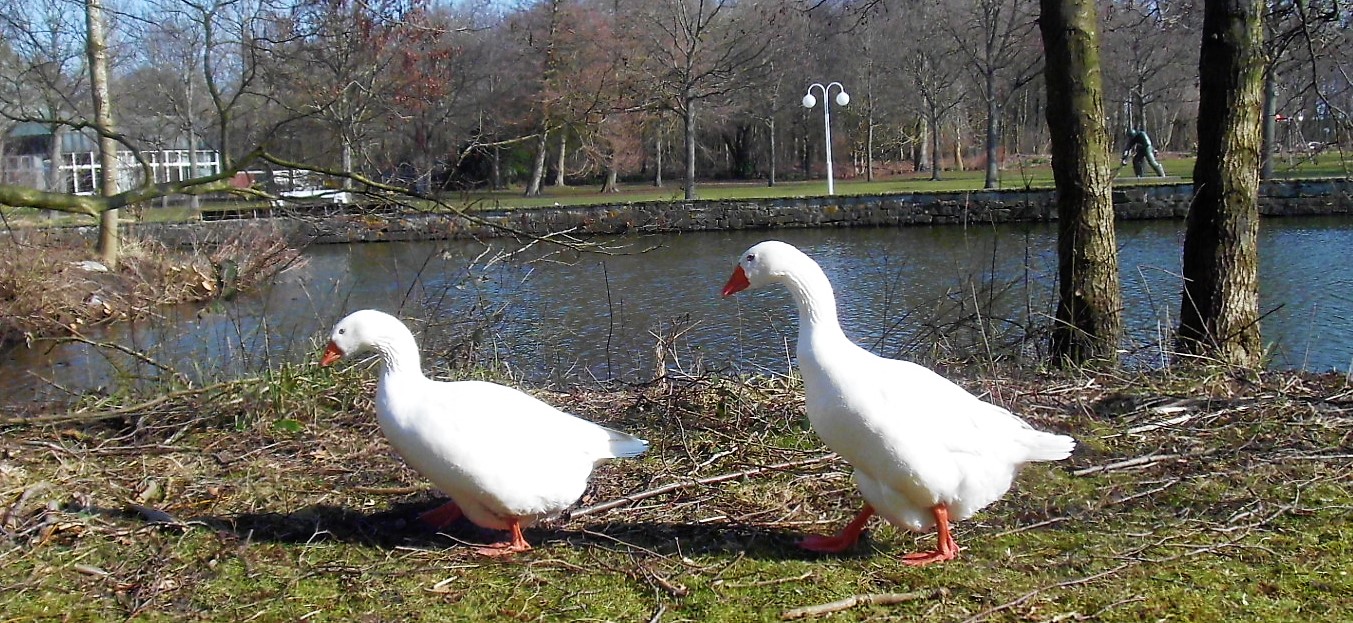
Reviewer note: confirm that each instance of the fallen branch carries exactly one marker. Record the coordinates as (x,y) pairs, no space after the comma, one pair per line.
(687,484)
(870,599)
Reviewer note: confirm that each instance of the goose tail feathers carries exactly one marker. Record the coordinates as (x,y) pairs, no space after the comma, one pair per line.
(624,445)
(1049,447)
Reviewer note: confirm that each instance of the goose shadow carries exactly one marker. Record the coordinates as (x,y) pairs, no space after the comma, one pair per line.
(397,525)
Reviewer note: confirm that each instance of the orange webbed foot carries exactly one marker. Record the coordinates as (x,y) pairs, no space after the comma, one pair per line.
(506,548)
(824,544)
(849,536)
(918,559)
(442,516)
(516,542)
(947,547)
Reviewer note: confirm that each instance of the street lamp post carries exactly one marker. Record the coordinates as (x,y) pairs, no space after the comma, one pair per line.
(841,100)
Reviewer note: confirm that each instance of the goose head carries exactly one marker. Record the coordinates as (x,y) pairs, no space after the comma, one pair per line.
(361,331)
(765,263)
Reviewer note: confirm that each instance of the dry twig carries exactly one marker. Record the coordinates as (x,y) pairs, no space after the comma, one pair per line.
(868,599)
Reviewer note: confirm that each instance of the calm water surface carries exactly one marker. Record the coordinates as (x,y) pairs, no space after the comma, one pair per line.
(551,316)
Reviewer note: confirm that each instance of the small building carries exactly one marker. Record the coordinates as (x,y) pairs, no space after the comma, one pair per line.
(26,160)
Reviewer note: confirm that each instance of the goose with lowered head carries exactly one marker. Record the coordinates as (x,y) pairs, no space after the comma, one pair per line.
(924,450)
(505,458)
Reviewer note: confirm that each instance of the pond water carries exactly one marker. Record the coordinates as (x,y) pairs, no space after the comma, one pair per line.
(553,316)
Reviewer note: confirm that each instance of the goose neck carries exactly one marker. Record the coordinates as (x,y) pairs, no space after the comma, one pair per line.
(399,355)
(813,294)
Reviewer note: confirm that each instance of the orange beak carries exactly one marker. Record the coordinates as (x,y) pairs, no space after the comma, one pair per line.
(331,354)
(737,283)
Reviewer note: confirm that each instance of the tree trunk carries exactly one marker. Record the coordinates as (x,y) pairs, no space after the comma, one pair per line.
(56,155)
(657,168)
(1269,123)
(563,153)
(993,139)
(497,168)
(538,171)
(1219,312)
(612,183)
(97,50)
(921,150)
(869,147)
(1089,310)
(194,201)
(347,160)
(688,117)
(959,165)
(770,179)
(935,154)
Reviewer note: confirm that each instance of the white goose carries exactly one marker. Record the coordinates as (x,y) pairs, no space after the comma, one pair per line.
(925,451)
(505,458)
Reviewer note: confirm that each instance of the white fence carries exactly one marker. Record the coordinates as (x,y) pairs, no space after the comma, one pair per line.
(80,171)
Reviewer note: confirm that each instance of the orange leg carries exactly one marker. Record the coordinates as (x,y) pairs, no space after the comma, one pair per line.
(442,516)
(516,544)
(840,542)
(947,547)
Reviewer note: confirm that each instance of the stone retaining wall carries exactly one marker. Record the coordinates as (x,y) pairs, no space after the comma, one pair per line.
(1280,198)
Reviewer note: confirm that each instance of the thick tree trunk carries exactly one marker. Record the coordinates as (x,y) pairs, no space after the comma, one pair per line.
(1089,310)
(97,49)
(1219,313)
(1269,124)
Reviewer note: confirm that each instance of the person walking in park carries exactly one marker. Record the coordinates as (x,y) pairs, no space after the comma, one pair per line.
(1139,147)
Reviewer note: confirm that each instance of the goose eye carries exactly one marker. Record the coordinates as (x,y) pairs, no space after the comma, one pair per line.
(342,331)
(751,257)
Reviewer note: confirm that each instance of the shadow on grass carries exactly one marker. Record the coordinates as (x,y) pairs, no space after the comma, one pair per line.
(398,526)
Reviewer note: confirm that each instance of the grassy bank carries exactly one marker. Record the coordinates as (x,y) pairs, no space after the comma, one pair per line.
(1208,499)
(1025,173)
(50,286)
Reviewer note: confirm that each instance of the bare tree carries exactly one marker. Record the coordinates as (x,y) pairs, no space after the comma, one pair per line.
(47,83)
(698,50)
(1151,74)
(932,64)
(1003,59)
(1089,309)
(1219,313)
(97,48)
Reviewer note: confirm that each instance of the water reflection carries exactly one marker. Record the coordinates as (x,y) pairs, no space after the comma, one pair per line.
(559,316)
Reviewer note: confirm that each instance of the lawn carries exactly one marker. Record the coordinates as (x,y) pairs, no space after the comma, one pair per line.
(1208,498)
(1033,173)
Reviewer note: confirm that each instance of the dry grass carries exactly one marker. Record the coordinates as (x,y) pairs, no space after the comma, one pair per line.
(1208,498)
(49,286)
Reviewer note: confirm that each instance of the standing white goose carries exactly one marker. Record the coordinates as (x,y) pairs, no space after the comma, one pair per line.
(505,458)
(925,451)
